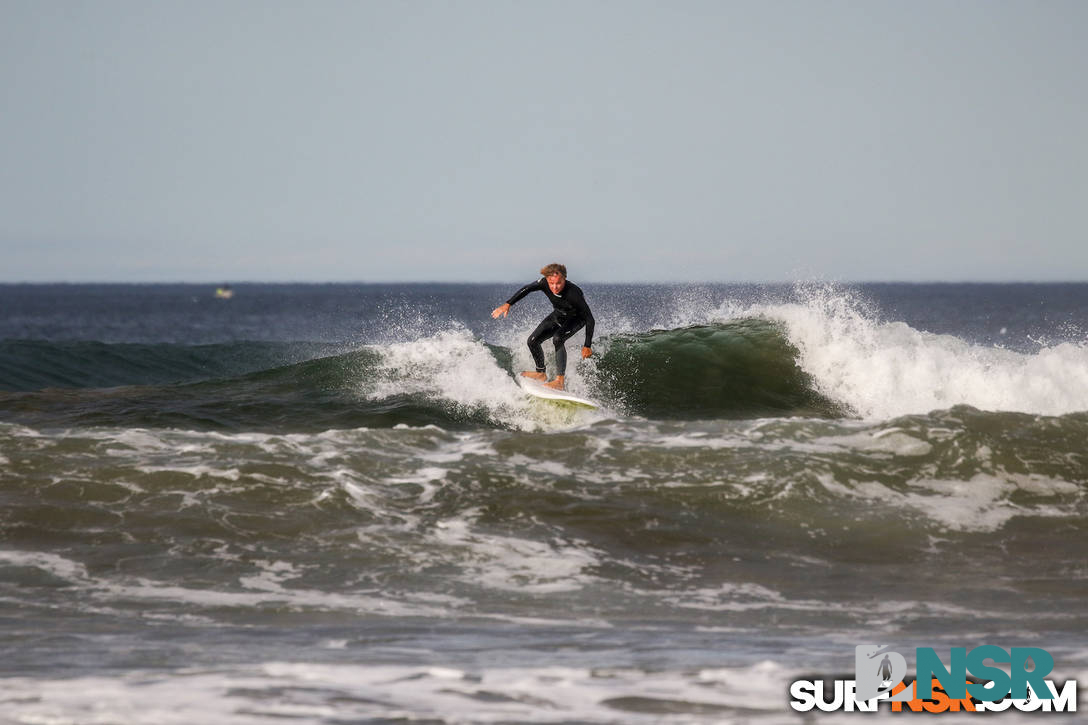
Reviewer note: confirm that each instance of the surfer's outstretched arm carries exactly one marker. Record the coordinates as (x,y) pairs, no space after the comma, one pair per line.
(504,308)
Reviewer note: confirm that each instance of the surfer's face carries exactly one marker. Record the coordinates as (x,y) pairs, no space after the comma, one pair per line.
(556,282)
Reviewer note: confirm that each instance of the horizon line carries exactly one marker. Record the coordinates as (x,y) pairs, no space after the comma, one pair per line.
(815,280)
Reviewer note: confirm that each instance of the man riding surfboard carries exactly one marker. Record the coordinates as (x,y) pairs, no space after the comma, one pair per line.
(570,314)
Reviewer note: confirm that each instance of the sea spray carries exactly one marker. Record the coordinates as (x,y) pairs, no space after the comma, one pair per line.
(455,370)
(880,369)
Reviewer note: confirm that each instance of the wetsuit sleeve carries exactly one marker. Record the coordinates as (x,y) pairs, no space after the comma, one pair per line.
(584,312)
(531,287)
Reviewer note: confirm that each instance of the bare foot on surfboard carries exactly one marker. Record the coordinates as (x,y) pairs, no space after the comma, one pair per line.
(556,384)
(542,377)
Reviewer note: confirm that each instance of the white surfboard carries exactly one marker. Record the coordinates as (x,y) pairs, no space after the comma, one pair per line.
(539,390)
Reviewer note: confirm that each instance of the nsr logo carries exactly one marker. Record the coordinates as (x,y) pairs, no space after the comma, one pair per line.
(872,681)
(880,671)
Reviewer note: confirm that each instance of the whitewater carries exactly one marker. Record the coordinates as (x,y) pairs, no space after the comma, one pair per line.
(333,503)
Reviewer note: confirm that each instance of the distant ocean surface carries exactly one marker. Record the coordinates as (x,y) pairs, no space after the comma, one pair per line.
(333,503)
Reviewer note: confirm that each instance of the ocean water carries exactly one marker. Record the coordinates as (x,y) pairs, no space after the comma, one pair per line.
(333,504)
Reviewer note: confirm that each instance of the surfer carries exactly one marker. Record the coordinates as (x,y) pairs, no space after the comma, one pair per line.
(571,314)
(884,670)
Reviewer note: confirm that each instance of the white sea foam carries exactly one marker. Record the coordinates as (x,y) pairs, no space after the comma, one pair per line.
(194,469)
(891,441)
(515,564)
(306,692)
(265,589)
(462,446)
(272,576)
(886,369)
(732,597)
(148,441)
(53,564)
(457,369)
(978,504)
(309,692)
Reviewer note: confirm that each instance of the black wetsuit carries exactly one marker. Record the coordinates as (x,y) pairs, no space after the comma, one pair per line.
(570,315)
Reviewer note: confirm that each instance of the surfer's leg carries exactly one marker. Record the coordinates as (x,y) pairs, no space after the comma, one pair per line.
(560,341)
(543,331)
(560,356)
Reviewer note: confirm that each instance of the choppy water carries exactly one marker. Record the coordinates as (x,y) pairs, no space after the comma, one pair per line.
(334,504)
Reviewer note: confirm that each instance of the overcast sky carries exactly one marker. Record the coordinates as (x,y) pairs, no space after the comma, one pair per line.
(763,140)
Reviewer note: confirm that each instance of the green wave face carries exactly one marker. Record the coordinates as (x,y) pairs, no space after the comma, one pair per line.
(736,370)
(746,368)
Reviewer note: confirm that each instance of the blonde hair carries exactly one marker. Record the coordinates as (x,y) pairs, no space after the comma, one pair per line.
(554,268)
